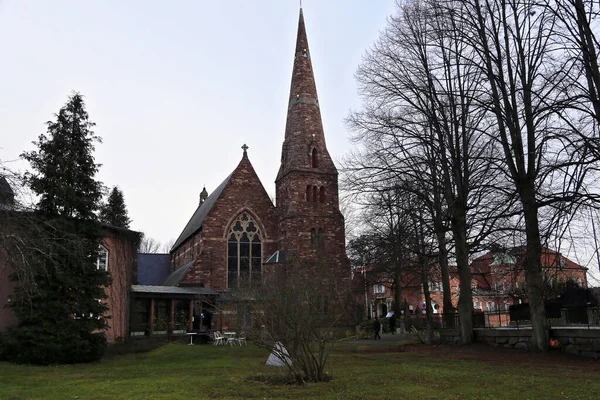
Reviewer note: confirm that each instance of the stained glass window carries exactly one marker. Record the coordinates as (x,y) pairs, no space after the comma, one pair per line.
(244,252)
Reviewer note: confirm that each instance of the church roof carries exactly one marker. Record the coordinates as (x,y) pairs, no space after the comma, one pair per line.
(6,193)
(195,290)
(153,269)
(175,278)
(195,223)
(304,127)
(276,258)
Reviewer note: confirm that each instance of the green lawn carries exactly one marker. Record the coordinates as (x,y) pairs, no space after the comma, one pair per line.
(178,371)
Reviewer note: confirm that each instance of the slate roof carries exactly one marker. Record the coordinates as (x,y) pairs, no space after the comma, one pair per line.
(196,290)
(276,258)
(153,269)
(195,223)
(7,195)
(177,276)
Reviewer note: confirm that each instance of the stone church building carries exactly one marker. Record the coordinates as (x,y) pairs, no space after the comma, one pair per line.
(237,228)
(233,236)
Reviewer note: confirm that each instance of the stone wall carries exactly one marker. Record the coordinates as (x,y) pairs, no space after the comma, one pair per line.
(573,340)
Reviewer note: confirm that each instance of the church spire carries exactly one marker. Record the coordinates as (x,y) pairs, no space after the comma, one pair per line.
(304,128)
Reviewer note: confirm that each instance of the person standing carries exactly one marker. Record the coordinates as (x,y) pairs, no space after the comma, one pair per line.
(393,323)
(377,327)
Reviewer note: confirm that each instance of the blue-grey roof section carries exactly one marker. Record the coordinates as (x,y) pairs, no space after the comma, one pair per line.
(195,223)
(276,258)
(192,290)
(177,276)
(152,269)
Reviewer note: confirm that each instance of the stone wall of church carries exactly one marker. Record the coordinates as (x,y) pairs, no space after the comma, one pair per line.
(243,193)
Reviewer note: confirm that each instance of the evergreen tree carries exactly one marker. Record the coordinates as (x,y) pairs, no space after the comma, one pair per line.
(59,305)
(114,211)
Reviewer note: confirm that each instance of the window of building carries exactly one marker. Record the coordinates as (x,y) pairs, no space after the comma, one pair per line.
(102,260)
(477,305)
(322,194)
(321,238)
(308,192)
(244,252)
(315,158)
(313,238)
(435,286)
(490,306)
(378,289)
(315,199)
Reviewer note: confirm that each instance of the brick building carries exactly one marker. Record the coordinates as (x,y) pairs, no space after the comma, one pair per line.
(236,230)
(498,281)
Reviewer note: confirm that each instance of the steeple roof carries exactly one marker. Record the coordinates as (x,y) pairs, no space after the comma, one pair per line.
(304,128)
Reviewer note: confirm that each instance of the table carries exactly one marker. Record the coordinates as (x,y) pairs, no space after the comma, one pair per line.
(230,336)
(191,335)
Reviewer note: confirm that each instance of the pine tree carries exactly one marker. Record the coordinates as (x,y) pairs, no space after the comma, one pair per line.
(59,306)
(114,211)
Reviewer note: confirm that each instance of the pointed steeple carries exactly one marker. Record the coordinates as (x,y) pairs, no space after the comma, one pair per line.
(304,135)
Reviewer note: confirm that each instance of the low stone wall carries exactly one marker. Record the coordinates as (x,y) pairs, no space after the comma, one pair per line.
(573,340)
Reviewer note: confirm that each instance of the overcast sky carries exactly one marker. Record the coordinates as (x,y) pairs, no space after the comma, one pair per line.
(177,87)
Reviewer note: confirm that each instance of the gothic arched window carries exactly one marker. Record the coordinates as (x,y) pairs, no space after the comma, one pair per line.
(322,194)
(308,192)
(315,199)
(244,252)
(315,158)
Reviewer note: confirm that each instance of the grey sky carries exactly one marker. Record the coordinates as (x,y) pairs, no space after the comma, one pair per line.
(176,88)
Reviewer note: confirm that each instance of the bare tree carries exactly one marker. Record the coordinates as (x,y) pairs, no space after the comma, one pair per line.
(292,308)
(421,122)
(149,245)
(546,158)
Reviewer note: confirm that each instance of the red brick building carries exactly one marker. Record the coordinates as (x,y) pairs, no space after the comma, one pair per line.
(237,229)
(498,280)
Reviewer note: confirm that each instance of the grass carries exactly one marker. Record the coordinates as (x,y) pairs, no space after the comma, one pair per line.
(177,371)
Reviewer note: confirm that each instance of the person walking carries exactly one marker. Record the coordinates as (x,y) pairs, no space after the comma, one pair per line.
(377,327)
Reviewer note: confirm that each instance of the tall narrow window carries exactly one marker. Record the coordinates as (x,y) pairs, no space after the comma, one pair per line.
(315,194)
(102,260)
(321,238)
(322,194)
(244,252)
(313,238)
(308,192)
(315,158)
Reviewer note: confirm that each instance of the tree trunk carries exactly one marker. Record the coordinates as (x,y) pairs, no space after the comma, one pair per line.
(465,301)
(428,336)
(398,303)
(533,272)
(448,307)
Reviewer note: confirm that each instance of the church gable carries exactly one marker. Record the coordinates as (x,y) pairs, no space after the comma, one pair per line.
(204,241)
(244,193)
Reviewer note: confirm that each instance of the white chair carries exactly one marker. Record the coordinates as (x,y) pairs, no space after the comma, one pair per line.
(218,338)
(241,339)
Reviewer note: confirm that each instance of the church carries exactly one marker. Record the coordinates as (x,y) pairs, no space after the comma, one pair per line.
(237,231)
(235,234)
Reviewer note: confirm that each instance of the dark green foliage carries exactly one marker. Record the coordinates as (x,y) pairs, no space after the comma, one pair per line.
(59,289)
(114,212)
(64,166)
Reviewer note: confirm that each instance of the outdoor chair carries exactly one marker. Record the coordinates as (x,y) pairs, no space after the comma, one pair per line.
(218,338)
(241,339)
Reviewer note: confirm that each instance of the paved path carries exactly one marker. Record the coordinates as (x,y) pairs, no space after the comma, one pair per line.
(386,340)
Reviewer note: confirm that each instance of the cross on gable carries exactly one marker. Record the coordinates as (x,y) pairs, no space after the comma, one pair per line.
(245,148)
